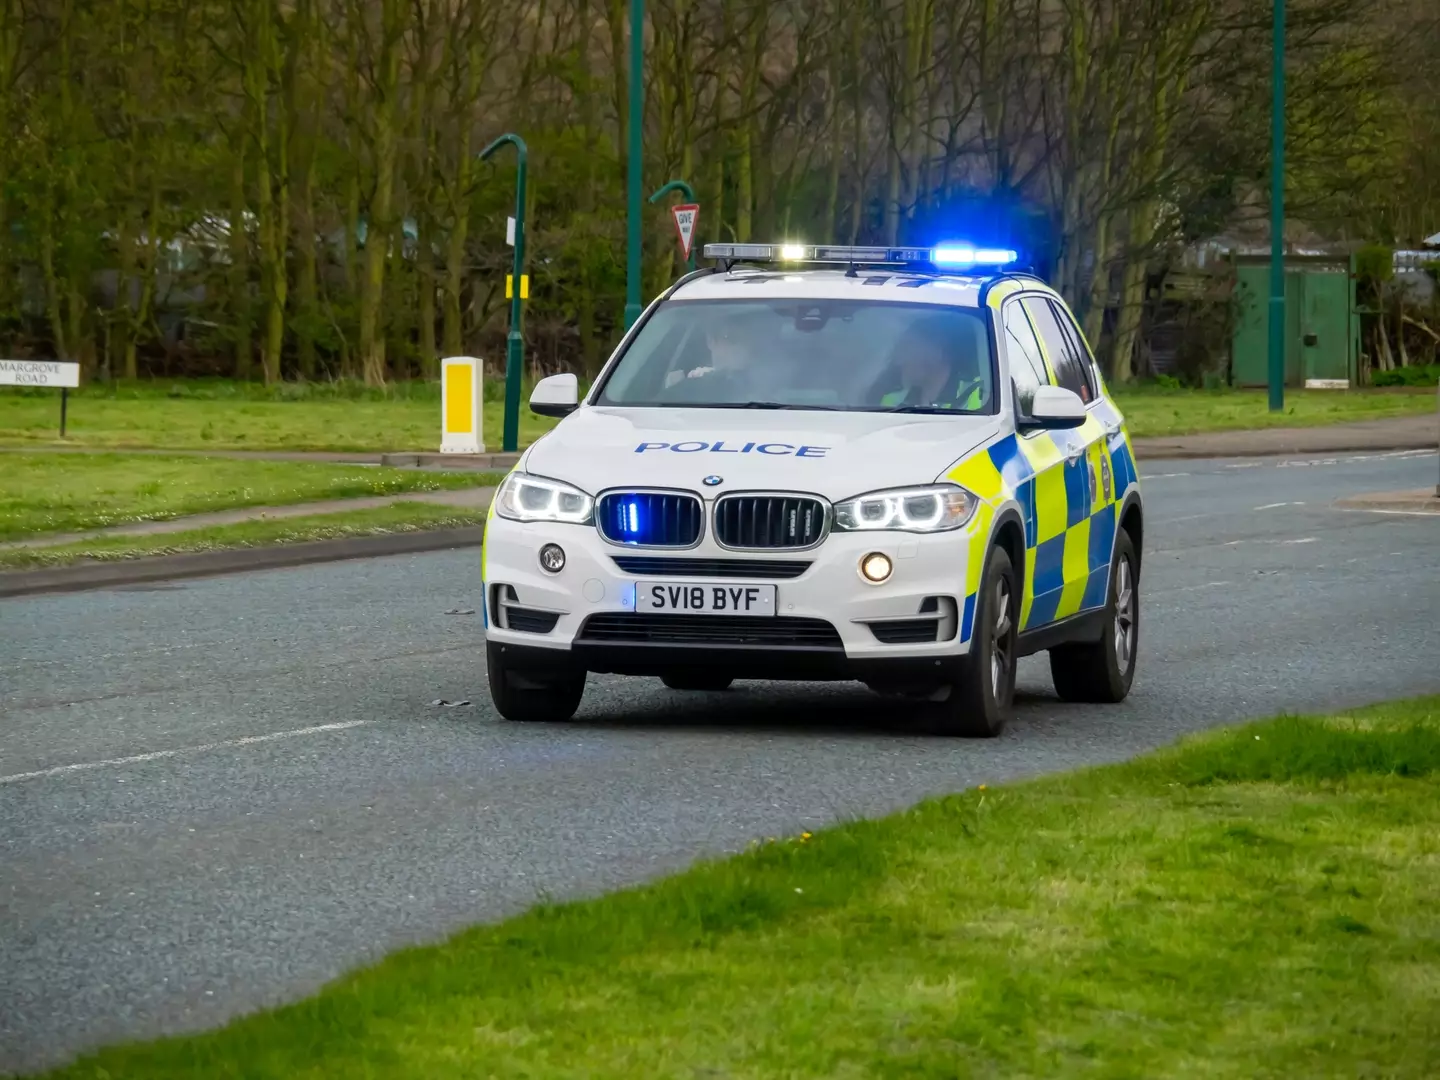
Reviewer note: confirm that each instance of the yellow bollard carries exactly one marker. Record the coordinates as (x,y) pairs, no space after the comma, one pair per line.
(462,402)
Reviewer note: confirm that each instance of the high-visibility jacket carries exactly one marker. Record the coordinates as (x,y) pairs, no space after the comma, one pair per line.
(973,400)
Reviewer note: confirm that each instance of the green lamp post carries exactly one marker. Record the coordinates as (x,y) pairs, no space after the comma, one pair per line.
(636,166)
(514,339)
(1277,215)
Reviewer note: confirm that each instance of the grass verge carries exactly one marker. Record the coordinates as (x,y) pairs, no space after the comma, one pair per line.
(1252,903)
(205,414)
(1152,411)
(220,415)
(395,518)
(45,493)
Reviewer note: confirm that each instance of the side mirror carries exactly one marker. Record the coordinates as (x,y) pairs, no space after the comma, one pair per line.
(1055,408)
(556,395)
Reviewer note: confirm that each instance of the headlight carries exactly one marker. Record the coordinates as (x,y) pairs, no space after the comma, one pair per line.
(531,498)
(935,508)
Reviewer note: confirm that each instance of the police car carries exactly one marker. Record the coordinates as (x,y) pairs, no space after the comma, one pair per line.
(897,466)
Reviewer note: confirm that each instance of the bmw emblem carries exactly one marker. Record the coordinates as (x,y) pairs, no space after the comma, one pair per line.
(713,481)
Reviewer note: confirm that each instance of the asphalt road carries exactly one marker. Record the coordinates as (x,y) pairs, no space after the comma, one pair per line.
(298,807)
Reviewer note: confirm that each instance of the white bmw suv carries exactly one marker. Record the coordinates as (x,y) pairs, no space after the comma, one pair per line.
(896,466)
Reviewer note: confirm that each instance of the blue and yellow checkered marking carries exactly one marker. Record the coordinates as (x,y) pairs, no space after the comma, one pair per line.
(1069,512)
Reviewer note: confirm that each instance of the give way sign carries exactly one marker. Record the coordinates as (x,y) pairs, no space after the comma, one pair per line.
(685,217)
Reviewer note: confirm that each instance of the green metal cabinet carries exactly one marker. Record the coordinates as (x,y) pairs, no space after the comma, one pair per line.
(1322,328)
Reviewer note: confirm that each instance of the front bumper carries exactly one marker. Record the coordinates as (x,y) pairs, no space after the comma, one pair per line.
(829,623)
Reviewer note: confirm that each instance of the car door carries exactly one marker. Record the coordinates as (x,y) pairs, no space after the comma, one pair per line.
(1041,489)
(1081,530)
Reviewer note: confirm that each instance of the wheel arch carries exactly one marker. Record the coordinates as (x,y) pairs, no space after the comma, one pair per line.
(1009,533)
(1132,522)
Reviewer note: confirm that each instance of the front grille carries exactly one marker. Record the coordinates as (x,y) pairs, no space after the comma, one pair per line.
(762,631)
(650,518)
(769,521)
(529,621)
(906,631)
(711,568)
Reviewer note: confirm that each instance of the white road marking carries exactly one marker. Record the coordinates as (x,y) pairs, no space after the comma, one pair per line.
(1274,506)
(1307,540)
(1402,513)
(1164,476)
(135,759)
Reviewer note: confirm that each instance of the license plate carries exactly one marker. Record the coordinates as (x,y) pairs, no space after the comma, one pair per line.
(698,599)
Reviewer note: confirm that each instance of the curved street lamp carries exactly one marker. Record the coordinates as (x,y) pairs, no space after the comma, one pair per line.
(514,339)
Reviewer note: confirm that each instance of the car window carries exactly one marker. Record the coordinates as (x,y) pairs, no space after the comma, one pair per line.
(852,355)
(1063,349)
(1026,367)
(1078,348)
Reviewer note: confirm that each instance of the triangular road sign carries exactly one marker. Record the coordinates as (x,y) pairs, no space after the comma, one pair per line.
(686,215)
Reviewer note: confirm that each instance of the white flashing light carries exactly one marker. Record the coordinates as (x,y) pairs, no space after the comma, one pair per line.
(792,252)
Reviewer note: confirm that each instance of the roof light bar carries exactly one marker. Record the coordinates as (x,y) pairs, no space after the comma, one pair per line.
(944,257)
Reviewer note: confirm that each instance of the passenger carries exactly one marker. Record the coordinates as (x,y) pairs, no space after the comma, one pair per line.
(936,368)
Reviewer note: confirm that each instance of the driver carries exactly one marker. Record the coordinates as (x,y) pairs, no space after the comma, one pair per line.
(937,367)
(732,342)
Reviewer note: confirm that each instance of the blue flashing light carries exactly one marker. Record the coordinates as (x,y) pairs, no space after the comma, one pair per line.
(961,255)
(632,519)
(947,256)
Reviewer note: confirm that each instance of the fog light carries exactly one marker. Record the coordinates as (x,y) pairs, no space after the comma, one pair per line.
(875,567)
(552,558)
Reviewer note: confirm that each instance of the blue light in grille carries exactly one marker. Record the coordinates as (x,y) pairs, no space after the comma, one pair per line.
(650,519)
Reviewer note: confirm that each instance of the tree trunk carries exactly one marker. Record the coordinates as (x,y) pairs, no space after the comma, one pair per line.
(305,105)
(1132,295)
(745,142)
(380,226)
(857,133)
(240,263)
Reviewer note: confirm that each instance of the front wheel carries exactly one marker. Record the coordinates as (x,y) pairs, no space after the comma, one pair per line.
(531,695)
(1102,671)
(979,704)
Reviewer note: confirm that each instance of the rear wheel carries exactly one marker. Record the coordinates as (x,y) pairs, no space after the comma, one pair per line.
(979,704)
(697,680)
(529,694)
(1102,671)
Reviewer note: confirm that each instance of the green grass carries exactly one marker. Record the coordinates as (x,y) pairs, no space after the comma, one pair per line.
(222,415)
(1151,411)
(1253,903)
(45,493)
(395,518)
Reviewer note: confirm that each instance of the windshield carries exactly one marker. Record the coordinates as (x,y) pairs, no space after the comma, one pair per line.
(871,356)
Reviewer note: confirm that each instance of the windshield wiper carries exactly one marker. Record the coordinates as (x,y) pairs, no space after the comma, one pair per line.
(931,410)
(764,405)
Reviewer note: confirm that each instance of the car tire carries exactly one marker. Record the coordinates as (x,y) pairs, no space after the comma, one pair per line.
(981,701)
(1101,671)
(697,680)
(528,695)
